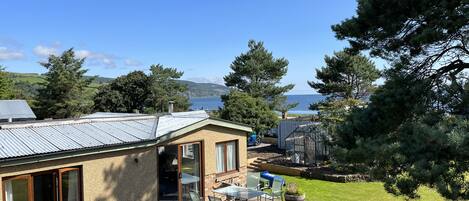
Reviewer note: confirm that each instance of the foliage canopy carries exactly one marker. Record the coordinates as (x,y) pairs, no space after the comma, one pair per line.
(164,87)
(243,108)
(346,76)
(6,85)
(126,93)
(414,131)
(255,80)
(258,73)
(63,93)
(137,91)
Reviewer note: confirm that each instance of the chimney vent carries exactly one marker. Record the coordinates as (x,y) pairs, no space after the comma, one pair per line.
(170,106)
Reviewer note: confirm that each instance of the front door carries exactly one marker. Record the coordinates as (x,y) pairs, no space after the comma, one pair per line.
(179,171)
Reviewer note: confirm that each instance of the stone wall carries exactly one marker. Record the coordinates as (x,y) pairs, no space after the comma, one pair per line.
(212,181)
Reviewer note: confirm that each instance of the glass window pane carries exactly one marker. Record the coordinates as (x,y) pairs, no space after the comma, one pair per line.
(44,187)
(70,186)
(168,172)
(220,158)
(190,172)
(231,156)
(16,190)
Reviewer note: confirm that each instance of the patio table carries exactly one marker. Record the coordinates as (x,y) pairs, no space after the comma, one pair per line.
(239,192)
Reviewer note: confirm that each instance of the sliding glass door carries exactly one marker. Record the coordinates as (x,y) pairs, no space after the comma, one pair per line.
(70,184)
(44,186)
(179,172)
(190,171)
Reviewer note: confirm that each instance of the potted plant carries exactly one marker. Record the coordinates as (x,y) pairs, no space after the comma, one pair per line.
(293,194)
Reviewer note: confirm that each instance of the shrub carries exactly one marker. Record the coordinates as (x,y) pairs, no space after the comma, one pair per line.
(292,189)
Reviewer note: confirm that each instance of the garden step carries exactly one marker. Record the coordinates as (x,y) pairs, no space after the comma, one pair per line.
(253,167)
(255,164)
(261,159)
(259,162)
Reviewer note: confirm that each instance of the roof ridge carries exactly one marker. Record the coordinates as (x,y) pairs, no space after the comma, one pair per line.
(59,122)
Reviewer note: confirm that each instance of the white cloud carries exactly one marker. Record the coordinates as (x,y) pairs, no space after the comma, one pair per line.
(133,63)
(7,54)
(96,58)
(82,53)
(92,58)
(44,51)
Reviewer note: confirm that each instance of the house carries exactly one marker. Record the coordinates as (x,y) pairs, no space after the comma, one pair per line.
(15,110)
(128,158)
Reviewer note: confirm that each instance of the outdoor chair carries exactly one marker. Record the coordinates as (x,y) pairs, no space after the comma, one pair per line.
(213,198)
(253,180)
(194,196)
(276,190)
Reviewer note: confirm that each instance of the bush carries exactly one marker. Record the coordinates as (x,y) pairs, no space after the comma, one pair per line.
(292,189)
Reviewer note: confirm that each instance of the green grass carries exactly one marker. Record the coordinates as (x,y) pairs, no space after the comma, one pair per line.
(28,77)
(317,190)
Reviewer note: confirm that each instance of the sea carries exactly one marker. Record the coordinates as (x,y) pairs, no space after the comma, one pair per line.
(213,103)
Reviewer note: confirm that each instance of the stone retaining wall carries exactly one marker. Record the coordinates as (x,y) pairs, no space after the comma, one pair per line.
(291,171)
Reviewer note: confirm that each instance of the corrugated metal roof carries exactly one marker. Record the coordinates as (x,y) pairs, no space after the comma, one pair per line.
(41,137)
(110,114)
(176,121)
(16,109)
(23,141)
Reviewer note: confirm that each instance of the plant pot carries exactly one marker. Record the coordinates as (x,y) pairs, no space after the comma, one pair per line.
(294,197)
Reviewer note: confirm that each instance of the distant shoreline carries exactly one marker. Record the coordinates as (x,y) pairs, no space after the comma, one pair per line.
(303,100)
(285,95)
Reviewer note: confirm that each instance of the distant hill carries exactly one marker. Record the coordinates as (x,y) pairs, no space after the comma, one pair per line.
(30,82)
(204,89)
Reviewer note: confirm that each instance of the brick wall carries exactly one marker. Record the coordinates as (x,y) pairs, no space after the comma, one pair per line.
(212,181)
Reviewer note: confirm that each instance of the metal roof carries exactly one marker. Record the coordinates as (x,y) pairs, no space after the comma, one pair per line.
(110,114)
(16,109)
(43,137)
(176,121)
(33,140)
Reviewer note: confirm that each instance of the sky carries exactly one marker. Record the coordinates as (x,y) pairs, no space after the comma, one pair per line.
(201,37)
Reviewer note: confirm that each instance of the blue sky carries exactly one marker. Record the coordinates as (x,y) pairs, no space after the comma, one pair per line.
(200,38)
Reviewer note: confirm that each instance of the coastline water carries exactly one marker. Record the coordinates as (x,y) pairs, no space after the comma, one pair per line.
(213,103)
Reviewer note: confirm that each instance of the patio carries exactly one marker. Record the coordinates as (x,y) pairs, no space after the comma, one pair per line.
(257,188)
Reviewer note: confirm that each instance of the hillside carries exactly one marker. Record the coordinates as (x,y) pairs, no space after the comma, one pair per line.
(204,89)
(28,83)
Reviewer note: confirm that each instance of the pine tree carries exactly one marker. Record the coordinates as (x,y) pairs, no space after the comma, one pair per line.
(63,94)
(258,73)
(255,84)
(164,87)
(346,76)
(414,131)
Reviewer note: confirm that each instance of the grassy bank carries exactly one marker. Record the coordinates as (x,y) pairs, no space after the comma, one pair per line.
(317,190)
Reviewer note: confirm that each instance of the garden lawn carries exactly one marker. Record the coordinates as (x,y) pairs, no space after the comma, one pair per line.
(317,190)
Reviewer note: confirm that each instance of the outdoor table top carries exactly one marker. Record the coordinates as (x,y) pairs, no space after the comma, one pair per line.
(239,192)
(188,179)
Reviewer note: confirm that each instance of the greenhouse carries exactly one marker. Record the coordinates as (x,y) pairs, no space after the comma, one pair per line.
(307,144)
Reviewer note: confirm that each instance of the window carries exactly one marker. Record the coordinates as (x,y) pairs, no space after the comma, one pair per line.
(55,185)
(187,151)
(17,189)
(227,157)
